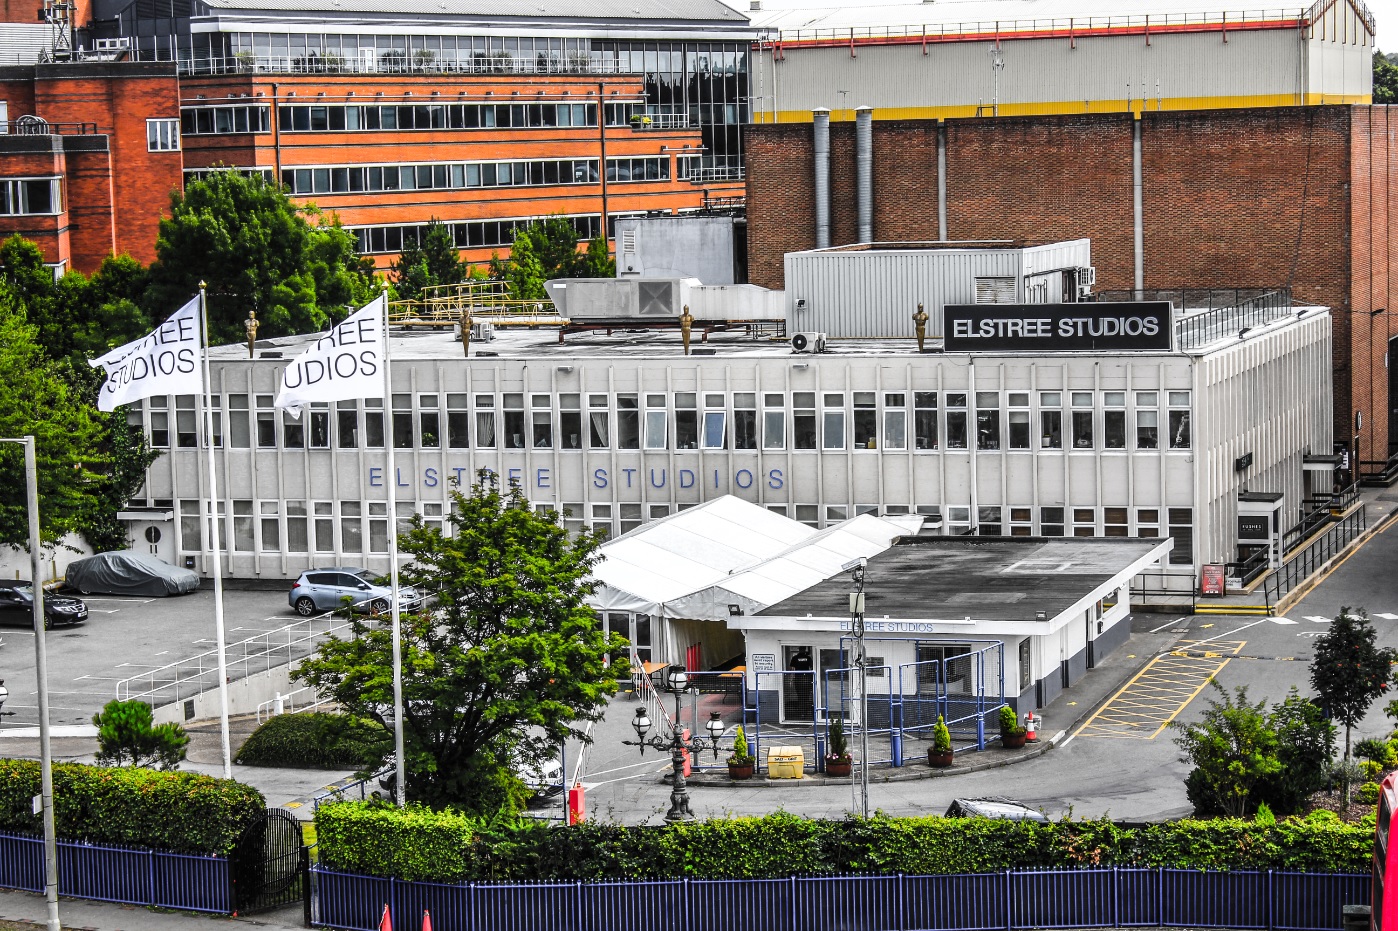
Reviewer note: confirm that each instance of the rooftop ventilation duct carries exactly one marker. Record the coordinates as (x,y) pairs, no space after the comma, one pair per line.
(822,177)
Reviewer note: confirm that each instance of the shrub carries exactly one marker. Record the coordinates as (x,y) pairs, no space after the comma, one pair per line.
(941,736)
(1368,793)
(740,748)
(1370,771)
(839,746)
(127,736)
(181,812)
(317,740)
(447,846)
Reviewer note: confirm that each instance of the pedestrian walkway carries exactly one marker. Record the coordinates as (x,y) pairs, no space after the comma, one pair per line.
(1143,707)
(85,915)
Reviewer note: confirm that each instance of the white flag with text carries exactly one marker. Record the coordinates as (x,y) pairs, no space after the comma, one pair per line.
(164,361)
(346,363)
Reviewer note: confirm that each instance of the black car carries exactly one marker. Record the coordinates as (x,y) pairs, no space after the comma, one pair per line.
(17,607)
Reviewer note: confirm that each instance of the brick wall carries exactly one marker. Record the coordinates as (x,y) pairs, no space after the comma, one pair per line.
(1267,196)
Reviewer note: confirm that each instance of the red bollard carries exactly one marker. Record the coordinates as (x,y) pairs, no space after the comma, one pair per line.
(576,804)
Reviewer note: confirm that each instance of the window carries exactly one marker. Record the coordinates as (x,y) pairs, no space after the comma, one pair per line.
(163,135)
(1179,420)
(638,169)
(293,432)
(324,527)
(1148,523)
(657,429)
(1019,420)
(373,423)
(344,179)
(271,527)
(1147,421)
(1050,420)
(598,436)
(266,423)
(987,420)
(570,423)
(808,514)
(28,196)
(1182,530)
(541,422)
(630,517)
(347,424)
(803,419)
(186,420)
(431,516)
(429,421)
(191,533)
(402,421)
(351,527)
(895,421)
(602,518)
(485,421)
(745,420)
(1114,420)
(686,421)
(956,421)
(458,422)
(159,423)
(715,436)
(1021,522)
(833,421)
(320,426)
(628,422)
(773,421)
(1115,522)
(224,120)
(378,524)
(836,512)
(242,526)
(514,421)
(1084,522)
(866,421)
(925,418)
(297,540)
(1051,522)
(1082,420)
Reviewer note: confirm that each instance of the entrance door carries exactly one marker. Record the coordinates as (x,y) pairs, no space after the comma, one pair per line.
(154,537)
(835,687)
(798,685)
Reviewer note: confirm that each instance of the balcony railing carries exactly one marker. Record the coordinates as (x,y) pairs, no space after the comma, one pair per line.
(37,126)
(394,63)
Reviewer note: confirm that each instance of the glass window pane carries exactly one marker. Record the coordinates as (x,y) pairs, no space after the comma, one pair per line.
(713,430)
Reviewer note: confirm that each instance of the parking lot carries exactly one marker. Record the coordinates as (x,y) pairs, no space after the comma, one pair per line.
(123,637)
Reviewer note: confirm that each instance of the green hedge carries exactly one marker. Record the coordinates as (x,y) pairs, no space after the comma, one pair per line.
(317,740)
(181,812)
(445,846)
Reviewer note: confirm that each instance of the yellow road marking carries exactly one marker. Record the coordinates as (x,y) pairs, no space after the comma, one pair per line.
(1153,697)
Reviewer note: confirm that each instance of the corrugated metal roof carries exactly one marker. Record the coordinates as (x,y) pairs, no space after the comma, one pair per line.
(792,15)
(678,11)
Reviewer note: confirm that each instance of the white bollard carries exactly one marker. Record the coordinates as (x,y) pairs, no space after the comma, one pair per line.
(278,704)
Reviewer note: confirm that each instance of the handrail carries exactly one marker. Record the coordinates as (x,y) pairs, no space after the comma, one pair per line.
(289,703)
(35,126)
(1310,560)
(1249,569)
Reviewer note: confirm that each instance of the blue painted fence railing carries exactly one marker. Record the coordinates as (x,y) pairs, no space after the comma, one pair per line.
(1088,898)
(129,875)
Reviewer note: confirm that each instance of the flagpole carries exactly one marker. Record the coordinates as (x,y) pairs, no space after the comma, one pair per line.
(213,542)
(400,782)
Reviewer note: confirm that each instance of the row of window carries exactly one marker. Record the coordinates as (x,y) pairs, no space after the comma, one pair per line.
(466,235)
(363,526)
(807,421)
(204,121)
(29,196)
(441,177)
(354,117)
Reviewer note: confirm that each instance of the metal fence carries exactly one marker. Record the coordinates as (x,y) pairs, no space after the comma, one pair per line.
(1115,898)
(1307,562)
(129,875)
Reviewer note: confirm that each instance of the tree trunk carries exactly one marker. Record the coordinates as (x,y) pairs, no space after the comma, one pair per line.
(1345,777)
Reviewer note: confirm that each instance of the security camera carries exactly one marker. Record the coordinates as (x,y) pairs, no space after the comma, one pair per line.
(854,564)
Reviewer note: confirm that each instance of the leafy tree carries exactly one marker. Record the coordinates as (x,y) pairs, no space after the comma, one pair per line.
(434,261)
(597,262)
(555,242)
(1349,671)
(1385,79)
(256,250)
(508,663)
(1305,743)
(522,272)
(125,456)
(36,399)
(1233,751)
(127,736)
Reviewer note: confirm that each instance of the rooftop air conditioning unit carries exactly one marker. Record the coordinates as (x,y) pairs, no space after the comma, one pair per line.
(482,332)
(808,342)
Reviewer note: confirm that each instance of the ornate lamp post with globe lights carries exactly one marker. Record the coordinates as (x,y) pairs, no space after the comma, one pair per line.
(676,681)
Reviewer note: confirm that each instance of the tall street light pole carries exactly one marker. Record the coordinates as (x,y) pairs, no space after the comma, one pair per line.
(31,483)
(861,661)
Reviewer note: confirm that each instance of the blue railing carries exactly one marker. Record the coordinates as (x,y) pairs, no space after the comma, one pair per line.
(1108,898)
(130,875)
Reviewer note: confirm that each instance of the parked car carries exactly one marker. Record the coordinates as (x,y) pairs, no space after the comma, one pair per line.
(17,607)
(126,572)
(994,806)
(317,590)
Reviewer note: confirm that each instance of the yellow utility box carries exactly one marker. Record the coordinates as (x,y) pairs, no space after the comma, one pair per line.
(786,763)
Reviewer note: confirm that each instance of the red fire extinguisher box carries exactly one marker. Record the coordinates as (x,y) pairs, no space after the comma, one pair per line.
(577,811)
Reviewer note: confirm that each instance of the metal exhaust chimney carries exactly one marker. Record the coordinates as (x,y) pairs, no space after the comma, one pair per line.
(822,177)
(864,171)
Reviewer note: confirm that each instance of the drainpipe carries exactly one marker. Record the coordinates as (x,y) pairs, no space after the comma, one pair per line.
(822,176)
(1137,208)
(942,180)
(864,171)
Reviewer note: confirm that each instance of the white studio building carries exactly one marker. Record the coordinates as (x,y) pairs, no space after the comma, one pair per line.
(1004,426)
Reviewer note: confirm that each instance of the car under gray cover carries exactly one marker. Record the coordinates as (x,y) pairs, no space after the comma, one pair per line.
(125,572)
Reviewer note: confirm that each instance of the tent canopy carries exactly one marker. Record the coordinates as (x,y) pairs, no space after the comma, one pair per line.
(696,563)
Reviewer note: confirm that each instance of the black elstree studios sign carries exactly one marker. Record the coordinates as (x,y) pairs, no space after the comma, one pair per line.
(1119,327)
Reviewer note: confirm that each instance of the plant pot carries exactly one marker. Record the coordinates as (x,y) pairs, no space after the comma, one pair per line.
(939,758)
(834,766)
(1013,741)
(740,770)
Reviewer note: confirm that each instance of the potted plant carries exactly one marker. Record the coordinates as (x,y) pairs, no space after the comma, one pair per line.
(838,761)
(1011,734)
(940,753)
(740,764)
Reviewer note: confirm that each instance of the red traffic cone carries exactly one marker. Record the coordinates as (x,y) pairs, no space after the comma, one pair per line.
(1031,726)
(426,920)
(386,922)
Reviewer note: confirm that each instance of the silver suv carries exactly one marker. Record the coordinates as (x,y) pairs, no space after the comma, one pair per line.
(318,590)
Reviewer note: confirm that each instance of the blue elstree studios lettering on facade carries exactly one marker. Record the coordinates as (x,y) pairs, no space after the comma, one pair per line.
(543,479)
